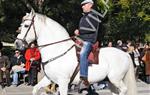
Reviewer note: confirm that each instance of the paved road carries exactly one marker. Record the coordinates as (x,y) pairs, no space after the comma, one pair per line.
(143,89)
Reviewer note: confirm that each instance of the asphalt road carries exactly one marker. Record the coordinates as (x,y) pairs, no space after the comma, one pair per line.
(143,89)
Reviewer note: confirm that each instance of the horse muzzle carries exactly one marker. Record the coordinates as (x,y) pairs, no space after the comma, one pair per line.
(20,44)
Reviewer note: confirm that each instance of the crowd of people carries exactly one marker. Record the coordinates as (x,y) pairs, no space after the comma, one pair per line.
(140,54)
(14,68)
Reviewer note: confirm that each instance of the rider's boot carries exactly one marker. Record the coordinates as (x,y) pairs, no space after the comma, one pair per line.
(83,84)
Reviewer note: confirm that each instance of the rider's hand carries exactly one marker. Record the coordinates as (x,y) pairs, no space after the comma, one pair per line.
(22,64)
(32,59)
(3,69)
(76,32)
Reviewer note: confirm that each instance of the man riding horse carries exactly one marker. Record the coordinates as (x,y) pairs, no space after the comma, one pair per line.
(88,30)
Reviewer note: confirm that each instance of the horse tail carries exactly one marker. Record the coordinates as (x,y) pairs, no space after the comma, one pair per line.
(130,80)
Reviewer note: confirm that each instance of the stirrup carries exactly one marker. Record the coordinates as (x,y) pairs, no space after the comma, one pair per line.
(83,85)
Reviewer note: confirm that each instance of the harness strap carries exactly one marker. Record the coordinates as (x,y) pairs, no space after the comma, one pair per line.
(56,42)
(52,59)
(32,22)
(74,74)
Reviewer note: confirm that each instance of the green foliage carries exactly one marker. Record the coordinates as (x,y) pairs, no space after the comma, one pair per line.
(147,37)
(8,51)
(130,19)
(10,18)
(126,21)
(124,4)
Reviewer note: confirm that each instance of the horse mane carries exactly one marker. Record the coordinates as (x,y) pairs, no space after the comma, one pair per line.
(41,17)
(45,19)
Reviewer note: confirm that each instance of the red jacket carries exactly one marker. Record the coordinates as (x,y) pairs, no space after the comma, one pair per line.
(31,53)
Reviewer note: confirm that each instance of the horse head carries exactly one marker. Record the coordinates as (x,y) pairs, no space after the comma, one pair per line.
(27,32)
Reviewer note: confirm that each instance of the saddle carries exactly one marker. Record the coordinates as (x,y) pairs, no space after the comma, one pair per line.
(93,56)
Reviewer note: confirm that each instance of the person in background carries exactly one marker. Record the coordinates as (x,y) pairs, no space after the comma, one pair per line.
(110,44)
(146,60)
(119,44)
(1,45)
(32,56)
(136,60)
(87,31)
(122,46)
(130,51)
(4,69)
(17,64)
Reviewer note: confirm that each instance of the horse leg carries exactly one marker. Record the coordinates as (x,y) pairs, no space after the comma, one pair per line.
(44,82)
(113,89)
(91,91)
(122,89)
(63,86)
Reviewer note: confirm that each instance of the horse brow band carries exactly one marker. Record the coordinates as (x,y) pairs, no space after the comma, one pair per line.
(27,19)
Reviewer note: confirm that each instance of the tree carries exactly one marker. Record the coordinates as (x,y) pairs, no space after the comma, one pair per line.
(124,20)
(130,19)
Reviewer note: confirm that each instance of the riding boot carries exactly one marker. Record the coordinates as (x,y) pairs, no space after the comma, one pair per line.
(2,85)
(83,84)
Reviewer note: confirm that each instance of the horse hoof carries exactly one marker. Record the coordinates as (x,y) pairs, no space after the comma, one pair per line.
(94,93)
(81,90)
(34,92)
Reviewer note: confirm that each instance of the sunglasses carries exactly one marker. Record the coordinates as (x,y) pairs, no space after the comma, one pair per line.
(16,52)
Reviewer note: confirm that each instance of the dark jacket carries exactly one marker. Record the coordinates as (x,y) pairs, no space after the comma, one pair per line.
(4,62)
(88,27)
(17,61)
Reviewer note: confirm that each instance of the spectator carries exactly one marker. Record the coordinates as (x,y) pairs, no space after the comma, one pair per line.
(4,69)
(32,56)
(136,60)
(122,46)
(1,45)
(146,59)
(110,44)
(17,64)
(129,43)
(130,51)
(119,44)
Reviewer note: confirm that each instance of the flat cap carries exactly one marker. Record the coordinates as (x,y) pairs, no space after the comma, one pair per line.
(87,1)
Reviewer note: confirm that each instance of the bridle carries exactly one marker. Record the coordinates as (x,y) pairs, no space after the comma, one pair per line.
(32,24)
(52,59)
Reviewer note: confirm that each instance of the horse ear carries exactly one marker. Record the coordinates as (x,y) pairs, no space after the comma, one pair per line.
(32,12)
(27,13)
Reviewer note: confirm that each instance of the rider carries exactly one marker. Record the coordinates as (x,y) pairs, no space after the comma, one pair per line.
(88,28)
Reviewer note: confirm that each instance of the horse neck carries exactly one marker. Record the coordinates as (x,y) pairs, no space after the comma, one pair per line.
(51,32)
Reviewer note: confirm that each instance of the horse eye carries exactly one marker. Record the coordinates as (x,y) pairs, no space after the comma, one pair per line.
(26,26)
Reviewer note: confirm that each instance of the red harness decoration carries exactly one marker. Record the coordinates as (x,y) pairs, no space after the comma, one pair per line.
(93,56)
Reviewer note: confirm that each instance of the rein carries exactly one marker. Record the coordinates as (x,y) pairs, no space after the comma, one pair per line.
(32,23)
(56,42)
(52,59)
(56,57)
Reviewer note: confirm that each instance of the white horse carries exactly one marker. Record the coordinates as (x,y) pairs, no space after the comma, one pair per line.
(62,60)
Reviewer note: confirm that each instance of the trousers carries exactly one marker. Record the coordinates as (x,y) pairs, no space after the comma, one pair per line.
(85,51)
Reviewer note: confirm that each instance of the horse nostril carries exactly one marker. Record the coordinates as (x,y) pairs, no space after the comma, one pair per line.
(16,44)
